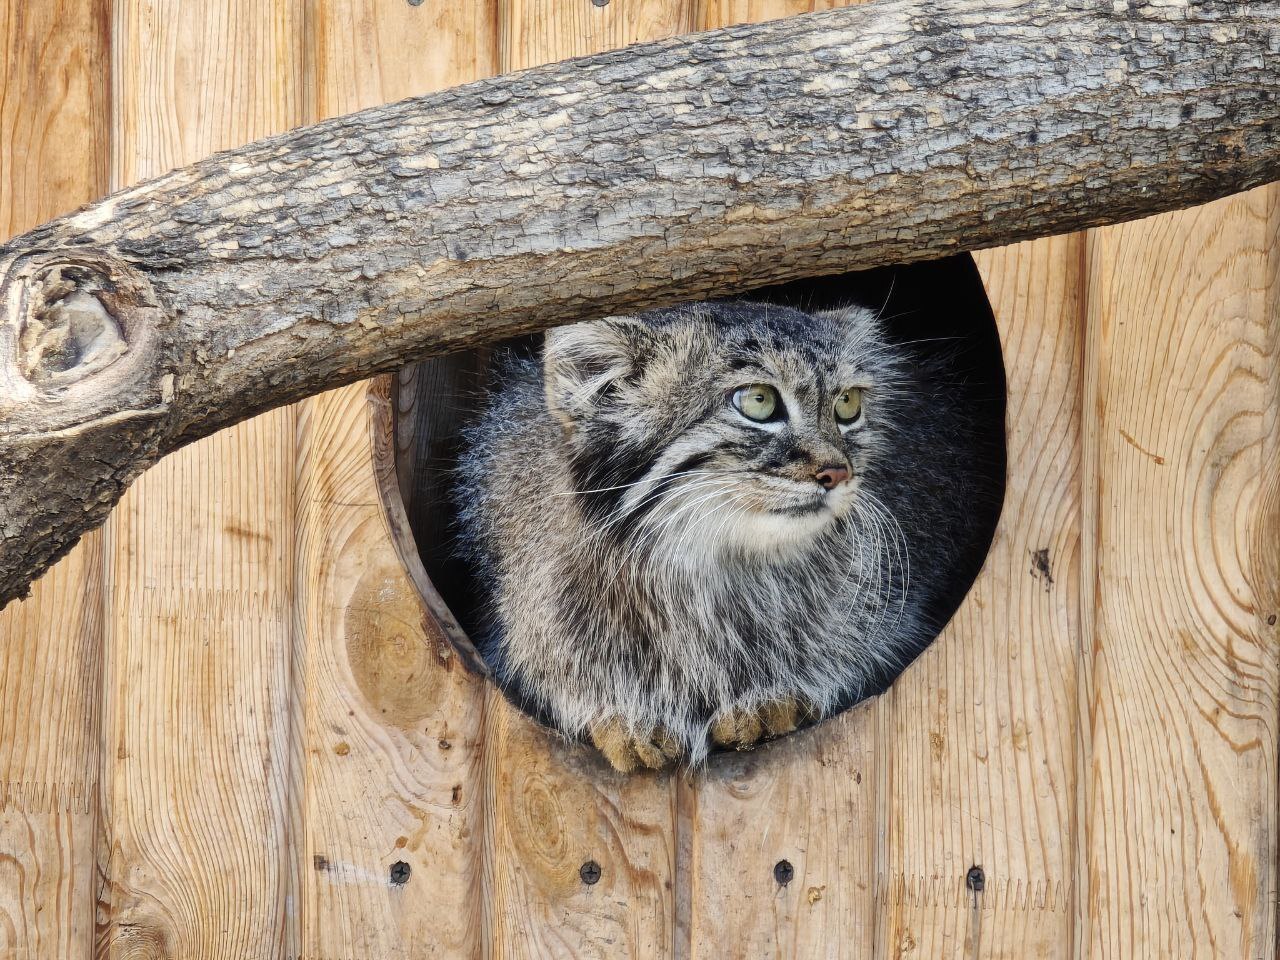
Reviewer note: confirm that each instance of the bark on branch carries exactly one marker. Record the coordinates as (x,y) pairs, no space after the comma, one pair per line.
(687,168)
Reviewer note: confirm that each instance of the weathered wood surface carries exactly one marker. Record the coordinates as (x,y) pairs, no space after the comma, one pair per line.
(1055,736)
(1181,450)
(199,556)
(875,134)
(389,773)
(54,154)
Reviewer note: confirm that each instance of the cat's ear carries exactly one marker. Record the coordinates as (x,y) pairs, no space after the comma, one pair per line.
(856,329)
(582,361)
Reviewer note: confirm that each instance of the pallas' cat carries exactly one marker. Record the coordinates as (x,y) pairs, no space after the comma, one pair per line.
(705,525)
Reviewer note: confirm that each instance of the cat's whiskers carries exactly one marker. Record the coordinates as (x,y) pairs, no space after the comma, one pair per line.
(733,504)
(635,483)
(872,537)
(654,534)
(698,484)
(855,549)
(901,545)
(663,486)
(661,489)
(891,536)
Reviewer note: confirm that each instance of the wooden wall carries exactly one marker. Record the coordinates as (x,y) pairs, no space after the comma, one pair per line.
(227,731)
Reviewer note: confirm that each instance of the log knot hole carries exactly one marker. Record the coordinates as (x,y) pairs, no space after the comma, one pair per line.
(69,329)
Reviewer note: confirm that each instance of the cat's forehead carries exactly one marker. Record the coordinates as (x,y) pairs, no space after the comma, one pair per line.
(791,342)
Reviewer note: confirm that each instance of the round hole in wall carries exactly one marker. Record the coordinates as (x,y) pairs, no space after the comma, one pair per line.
(936,313)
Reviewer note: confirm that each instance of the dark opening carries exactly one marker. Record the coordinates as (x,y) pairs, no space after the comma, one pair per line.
(937,310)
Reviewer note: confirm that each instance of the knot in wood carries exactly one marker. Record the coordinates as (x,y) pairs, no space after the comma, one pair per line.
(67,328)
(68,316)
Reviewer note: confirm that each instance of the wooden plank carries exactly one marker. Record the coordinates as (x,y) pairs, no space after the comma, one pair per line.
(554,811)
(809,805)
(720,13)
(390,771)
(388,835)
(543,31)
(54,117)
(980,734)
(200,554)
(1182,519)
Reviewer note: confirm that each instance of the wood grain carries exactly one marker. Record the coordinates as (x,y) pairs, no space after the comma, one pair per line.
(811,802)
(1181,524)
(388,720)
(980,737)
(542,31)
(54,124)
(196,738)
(388,771)
(722,13)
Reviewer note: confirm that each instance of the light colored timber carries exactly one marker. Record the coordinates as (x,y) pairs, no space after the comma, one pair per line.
(199,557)
(1182,526)
(300,263)
(54,123)
(387,793)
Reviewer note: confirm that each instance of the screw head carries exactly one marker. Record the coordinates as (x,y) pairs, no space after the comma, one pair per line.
(600,3)
(975,879)
(400,873)
(590,873)
(784,872)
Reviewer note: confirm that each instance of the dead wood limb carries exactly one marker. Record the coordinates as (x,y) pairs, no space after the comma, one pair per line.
(682,169)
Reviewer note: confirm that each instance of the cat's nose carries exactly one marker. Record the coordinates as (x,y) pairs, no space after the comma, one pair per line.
(830,477)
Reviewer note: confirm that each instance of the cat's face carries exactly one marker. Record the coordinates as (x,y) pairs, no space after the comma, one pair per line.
(720,426)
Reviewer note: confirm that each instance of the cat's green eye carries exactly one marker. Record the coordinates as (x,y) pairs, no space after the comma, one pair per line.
(849,405)
(757,401)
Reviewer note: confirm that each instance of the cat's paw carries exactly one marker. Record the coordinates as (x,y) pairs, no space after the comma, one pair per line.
(743,729)
(627,752)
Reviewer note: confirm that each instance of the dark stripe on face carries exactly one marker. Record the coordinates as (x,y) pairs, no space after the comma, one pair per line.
(691,462)
(653,498)
(603,471)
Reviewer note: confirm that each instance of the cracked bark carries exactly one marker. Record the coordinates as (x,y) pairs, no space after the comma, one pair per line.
(676,170)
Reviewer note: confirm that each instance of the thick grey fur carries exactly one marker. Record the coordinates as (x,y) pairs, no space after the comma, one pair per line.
(615,590)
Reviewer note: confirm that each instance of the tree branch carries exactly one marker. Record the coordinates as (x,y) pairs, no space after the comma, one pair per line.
(688,168)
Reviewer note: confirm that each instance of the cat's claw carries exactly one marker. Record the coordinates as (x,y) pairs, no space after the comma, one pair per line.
(627,752)
(744,729)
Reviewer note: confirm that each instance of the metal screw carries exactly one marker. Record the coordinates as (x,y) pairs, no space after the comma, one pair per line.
(400,873)
(784,872)
(975,879)
(415,3)
(590,873)
(598,3)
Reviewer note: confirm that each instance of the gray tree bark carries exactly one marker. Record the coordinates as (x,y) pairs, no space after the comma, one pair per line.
(676,170)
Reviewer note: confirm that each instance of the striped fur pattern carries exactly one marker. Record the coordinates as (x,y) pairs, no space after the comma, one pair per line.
(656,560)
